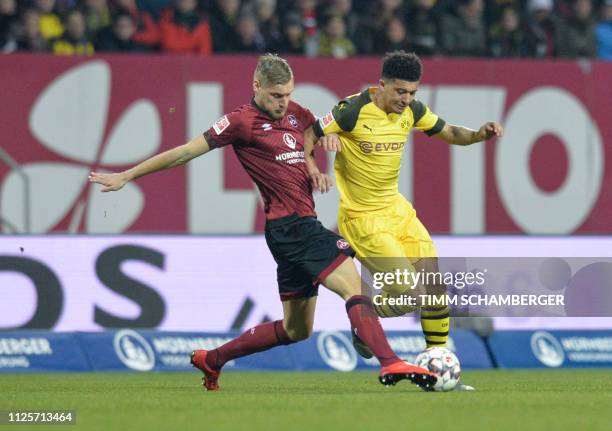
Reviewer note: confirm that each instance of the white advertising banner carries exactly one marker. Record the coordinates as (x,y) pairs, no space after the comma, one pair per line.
(212,283)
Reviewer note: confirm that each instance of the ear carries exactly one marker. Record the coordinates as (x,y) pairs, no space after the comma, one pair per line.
(256,86)
(381,84)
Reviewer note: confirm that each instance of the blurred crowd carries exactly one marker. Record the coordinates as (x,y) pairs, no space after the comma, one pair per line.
(315,28)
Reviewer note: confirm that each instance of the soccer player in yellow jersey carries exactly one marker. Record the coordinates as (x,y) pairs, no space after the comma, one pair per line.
(368,131)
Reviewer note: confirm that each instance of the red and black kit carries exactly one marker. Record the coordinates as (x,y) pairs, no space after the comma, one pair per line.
(272,153)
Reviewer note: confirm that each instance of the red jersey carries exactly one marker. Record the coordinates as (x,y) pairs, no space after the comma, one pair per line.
(272,153)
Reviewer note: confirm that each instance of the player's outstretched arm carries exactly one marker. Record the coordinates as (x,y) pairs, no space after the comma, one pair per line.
(168,159)
(459,135)
(320,181)
(309,142)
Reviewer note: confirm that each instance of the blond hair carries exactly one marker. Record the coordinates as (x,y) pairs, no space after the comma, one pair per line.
(272,70)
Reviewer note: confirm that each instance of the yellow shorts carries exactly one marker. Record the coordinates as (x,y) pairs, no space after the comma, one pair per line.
(395,231)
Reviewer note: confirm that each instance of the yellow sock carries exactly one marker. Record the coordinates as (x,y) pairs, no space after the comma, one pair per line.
(435,323)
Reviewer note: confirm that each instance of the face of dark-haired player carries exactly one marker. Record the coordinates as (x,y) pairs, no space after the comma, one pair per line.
(274,99)
(397,94)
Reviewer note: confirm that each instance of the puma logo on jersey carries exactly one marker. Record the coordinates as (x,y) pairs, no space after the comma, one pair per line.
(365,126)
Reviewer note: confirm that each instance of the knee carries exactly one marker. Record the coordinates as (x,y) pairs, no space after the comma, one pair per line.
(299,333)
(345,289)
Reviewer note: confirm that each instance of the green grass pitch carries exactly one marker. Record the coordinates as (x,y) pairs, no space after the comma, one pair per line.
(316,401)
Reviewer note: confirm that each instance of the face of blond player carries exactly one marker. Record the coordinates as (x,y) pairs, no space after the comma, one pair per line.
(274,99)
(395,94)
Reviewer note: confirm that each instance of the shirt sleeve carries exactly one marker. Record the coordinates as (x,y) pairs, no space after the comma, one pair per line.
(227,130)
(425,120)
(344,116)
(329,123)
(308,118)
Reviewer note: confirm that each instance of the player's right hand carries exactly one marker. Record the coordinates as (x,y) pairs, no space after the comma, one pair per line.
(330,142)
(111,182)
(321,182)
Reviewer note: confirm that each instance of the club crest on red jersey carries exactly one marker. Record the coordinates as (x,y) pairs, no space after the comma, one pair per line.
(221,124)
(290,140)
(292,120)
(342,244)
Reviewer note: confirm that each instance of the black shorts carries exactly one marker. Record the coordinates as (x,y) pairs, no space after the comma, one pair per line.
(306,253)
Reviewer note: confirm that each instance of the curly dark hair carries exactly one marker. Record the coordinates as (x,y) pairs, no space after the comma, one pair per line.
(402,65)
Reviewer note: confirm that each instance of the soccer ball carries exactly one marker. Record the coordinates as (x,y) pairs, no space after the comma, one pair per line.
(444,364)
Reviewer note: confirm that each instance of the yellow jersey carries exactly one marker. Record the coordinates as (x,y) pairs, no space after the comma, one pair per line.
(367,169)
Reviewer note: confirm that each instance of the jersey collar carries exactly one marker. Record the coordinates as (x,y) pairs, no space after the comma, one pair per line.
(370,93)
(262,111)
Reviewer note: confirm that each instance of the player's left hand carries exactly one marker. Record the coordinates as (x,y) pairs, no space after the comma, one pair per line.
(490,130)
(330,143)
(111,182)
(321,182)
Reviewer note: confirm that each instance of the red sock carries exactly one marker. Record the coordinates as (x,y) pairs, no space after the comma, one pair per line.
(256,339)
(365,324)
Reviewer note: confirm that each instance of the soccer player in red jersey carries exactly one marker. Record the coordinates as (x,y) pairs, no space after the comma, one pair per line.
(267,135)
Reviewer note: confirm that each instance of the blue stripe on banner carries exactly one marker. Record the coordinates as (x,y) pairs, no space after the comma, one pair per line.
(128,349)
(30,351)
(333,350)
(552,349)
(131,350)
